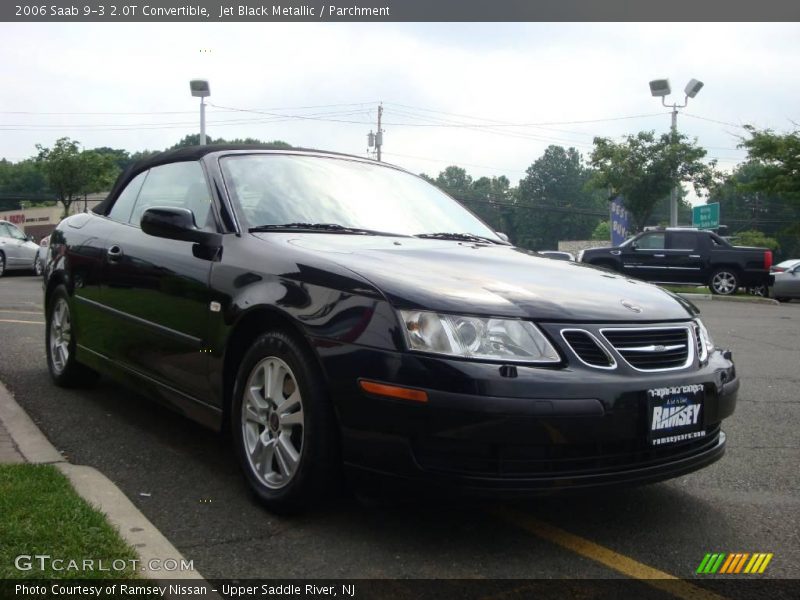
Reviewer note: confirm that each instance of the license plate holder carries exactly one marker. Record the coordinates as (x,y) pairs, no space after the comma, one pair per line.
(675,414)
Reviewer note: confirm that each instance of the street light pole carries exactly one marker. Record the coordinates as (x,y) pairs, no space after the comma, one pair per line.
(661,88)
(673,193)
(202,121)
(201,89)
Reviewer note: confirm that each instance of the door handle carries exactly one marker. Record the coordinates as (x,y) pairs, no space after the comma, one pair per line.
(694,256)
(659,255)
(114,253)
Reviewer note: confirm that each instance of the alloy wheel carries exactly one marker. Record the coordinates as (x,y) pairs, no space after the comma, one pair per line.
(724,282)
(273,424)
(60,335)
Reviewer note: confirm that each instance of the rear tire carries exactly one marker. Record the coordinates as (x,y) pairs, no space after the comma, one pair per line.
(2,264)
(283,425)
(782,299)
(61,343)
(724,282)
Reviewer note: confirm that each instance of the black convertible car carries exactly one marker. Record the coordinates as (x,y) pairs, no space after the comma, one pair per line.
(336,312)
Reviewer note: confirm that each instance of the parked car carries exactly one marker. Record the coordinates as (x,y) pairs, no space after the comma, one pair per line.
(41,254)
(17,251)
(557,255)
(337,312)
(786,265)
(686,256)
(786,280)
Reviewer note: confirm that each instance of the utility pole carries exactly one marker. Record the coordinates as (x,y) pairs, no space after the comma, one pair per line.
(202,121)
(379,134)
(376,139)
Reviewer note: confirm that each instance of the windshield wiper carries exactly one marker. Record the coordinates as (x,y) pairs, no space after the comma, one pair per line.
(461,237)
(321,227)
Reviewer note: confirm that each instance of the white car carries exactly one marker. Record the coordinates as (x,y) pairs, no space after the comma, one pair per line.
(17,251)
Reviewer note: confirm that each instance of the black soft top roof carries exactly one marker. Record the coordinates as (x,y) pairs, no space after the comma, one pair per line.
(186,154)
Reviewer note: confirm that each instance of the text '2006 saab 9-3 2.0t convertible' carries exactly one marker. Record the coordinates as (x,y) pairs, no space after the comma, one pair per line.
(346,318)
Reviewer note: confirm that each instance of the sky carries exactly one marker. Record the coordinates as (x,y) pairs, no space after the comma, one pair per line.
(488,97)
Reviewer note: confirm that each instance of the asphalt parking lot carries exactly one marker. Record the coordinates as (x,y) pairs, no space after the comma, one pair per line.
(185,480)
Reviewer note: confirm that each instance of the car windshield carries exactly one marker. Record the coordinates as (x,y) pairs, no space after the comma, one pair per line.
(278,189)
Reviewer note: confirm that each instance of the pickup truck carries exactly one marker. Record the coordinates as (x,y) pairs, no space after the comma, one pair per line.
(685,256)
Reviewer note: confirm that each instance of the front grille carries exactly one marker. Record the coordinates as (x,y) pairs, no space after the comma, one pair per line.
(587,348)
(652,349)
(475,458)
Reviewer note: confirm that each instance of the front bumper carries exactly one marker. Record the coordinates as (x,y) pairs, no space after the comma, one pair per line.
(541,431)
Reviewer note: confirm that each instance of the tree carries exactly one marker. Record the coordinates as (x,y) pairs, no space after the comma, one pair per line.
(554,203)
(602,231)
(644,168)
(63,167)
(757,239)
(779,157)
(100,172)
(193,139)
(23,178)
(72,173)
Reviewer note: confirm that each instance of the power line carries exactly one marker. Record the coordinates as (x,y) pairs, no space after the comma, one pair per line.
(168,112)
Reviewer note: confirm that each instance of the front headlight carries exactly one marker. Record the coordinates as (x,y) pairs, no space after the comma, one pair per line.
(475,337)
(706,343)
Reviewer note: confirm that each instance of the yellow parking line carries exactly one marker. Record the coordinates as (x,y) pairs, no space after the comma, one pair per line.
(605,556)
(17,321)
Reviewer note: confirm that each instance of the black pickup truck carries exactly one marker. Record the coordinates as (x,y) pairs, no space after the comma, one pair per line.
(680,255)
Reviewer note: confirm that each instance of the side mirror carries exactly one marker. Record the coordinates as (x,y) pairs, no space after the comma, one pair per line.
(30,238)
(176,224)
(634,246)
(502,236)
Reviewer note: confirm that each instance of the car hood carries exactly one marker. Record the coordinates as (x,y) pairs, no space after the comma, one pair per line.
(460,277)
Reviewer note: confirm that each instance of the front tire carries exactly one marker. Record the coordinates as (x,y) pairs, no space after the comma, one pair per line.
(61,343)
(2,264)
(283,425)
(724,282)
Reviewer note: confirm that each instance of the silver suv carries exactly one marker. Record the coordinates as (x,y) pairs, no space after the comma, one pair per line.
(16,250)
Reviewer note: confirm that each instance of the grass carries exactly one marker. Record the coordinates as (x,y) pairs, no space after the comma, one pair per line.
(40,514)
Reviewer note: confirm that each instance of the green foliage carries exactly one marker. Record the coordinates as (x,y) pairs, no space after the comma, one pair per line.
(554,201)
(23,178)
(194,140)
(602,231)
(778,155)
(72,172)
(756,238)
(644,168)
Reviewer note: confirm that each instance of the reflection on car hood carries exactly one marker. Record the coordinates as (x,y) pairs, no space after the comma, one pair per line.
(470,278)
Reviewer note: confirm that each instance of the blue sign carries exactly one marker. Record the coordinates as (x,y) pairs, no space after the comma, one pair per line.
(619,222)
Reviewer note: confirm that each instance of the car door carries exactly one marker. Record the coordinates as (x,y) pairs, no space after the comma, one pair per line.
(684,257)
(645,257)
(156,288)
(788,283)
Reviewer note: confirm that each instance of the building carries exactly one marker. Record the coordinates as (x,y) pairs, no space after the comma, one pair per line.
(41,221)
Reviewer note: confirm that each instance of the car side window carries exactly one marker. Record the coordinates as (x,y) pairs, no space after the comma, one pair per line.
(4,232)
(682,240)
(651,241)
(176,185)
(121,211)
(15,233)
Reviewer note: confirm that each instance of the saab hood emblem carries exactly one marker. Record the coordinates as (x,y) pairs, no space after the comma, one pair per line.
(631,306)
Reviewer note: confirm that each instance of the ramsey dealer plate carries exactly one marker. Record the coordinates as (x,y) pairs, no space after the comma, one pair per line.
(675,414)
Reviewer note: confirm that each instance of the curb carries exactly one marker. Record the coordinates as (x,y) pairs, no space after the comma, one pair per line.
(98,490)
(740,299)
